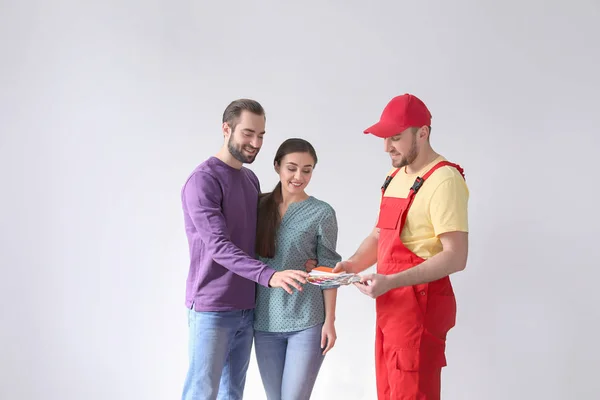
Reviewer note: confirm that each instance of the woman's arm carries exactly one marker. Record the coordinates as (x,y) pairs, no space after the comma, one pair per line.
(328,256)
(328,334)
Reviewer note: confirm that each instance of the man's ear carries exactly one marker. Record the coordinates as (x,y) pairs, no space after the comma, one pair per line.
(423,132)
(226,130)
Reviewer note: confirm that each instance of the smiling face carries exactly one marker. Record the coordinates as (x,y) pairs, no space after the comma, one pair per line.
(245,141)
(402,148)
(295,171)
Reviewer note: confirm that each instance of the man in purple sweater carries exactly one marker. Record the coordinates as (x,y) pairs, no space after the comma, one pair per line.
(220,201)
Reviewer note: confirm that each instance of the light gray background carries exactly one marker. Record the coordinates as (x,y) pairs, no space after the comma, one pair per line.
(107,106)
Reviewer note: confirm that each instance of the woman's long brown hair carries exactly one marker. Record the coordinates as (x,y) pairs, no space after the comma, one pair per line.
(268,203)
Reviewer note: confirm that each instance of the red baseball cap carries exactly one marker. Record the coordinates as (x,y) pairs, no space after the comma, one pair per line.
(401,113)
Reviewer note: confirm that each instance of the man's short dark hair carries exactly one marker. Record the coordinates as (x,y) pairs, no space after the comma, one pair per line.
(234,110)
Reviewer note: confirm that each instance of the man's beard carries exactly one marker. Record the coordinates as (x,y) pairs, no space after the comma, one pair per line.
(410,157)
(236,151)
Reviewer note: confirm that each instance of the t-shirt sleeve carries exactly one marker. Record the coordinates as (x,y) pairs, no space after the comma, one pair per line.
(448,206)
(202,199)
(327,234)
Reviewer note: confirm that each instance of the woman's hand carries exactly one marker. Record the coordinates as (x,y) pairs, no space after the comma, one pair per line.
(310,265)
(328,336)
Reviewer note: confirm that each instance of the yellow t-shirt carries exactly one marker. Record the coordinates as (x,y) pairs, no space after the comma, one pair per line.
(439,206)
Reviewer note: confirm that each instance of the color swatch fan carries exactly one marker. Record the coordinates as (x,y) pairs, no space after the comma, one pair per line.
(322,276)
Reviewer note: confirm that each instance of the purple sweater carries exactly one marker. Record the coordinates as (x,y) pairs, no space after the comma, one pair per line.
(220,212)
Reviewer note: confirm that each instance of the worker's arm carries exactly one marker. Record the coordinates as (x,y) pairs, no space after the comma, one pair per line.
(363,258)
(448,215)
(451,259)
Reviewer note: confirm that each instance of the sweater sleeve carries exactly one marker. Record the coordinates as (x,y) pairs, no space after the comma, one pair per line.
(202,197)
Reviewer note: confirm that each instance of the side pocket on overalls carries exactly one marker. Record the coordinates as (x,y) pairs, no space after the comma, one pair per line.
(441,314)
(404,373)
(422,296)
(406,359)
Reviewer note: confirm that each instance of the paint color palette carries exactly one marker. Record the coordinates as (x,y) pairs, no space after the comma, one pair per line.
(322,276)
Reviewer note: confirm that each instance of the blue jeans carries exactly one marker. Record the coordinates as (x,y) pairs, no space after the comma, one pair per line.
(289,362)
(219,354)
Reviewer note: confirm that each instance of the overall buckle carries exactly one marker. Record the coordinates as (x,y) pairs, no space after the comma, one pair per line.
(386,183)
(417,185)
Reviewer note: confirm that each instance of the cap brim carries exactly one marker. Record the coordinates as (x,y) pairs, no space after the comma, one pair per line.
(384,129)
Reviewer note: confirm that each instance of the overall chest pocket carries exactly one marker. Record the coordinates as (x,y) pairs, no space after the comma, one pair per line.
(390,213)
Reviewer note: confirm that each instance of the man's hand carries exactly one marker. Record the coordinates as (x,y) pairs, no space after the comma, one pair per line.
(310,265)
(285,279)
(363,258)
(346,266)
(374,285)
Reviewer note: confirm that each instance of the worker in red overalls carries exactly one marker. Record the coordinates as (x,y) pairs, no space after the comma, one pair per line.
(419,240)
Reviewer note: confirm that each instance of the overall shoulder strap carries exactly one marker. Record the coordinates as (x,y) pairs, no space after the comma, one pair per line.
(420,180)
(388,179)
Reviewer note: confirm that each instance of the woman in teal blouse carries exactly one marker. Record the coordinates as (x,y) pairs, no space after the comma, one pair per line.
(294,332)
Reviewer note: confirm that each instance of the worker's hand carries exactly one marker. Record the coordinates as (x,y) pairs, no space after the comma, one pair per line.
(290,277)
(347,266)
(374,285)
(310,265)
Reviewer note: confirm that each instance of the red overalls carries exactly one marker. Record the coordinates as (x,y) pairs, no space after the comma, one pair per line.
(412,322)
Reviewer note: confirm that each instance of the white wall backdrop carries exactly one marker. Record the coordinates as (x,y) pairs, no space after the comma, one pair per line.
(105,107)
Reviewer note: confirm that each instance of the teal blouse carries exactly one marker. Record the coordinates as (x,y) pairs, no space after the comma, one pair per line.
(307,231)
